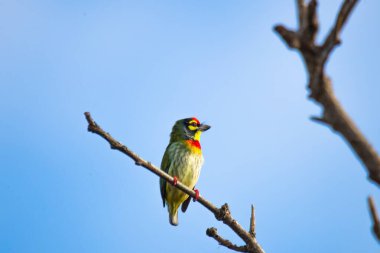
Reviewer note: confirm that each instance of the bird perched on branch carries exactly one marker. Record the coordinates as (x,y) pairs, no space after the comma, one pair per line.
(182,160)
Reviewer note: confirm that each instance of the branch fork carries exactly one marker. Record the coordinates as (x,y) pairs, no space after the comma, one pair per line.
(320,86)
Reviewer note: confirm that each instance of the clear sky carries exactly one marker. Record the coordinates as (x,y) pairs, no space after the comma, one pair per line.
(140,65)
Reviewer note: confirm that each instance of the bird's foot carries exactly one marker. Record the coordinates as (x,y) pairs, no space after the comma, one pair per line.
(196,195)
(175,180)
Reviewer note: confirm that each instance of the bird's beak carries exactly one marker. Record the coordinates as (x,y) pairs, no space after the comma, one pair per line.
(203,127)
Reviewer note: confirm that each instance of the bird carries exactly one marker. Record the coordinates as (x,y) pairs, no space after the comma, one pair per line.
(183,161)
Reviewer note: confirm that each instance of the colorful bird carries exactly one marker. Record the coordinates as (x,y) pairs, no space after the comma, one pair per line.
(182,160)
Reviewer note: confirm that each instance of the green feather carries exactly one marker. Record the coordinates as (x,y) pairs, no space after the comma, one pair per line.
(165,165)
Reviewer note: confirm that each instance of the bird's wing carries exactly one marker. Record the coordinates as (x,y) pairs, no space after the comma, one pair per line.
(165,165)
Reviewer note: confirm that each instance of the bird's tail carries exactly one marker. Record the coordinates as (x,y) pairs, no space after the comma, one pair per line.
(173,217)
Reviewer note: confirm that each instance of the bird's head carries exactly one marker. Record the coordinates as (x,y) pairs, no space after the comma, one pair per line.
(188,129)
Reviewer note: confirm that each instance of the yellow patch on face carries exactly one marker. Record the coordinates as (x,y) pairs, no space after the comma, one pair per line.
(197,136)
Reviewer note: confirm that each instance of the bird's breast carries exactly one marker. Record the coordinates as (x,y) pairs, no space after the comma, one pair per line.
(186,164)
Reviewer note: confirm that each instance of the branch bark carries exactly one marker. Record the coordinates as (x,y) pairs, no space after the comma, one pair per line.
(221,214)
(320,86)
(375,218)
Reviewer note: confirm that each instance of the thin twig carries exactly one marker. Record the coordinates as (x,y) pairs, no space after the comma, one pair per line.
(375,218)
(301,11)
(213,232)
(222,214)
(333,37)
(252,224)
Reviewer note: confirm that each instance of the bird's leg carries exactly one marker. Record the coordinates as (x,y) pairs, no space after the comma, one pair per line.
(196,195)
(175,180)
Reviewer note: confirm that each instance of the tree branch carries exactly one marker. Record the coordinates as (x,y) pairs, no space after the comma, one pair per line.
(221,214)
(320,86)
(333,37)
(213,232)
(375,218)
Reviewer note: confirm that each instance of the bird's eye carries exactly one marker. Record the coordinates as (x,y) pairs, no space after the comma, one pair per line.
(192,125)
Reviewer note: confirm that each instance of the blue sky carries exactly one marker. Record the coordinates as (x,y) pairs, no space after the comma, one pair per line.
(138,66)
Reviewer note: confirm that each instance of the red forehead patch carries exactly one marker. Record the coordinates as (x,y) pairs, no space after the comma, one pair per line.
(193,118)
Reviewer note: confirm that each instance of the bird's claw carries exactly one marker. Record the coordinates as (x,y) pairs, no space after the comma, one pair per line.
(196,195)
(175,180)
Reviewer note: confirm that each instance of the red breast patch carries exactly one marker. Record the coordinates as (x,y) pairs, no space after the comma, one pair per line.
(194,143)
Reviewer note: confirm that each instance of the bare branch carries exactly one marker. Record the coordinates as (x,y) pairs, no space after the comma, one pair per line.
(333,37)
(222,214)
(375,218)
(319,120)
(95,128)
(320,86)
(311,20)
(301,9)
(213,232)
(290,37)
